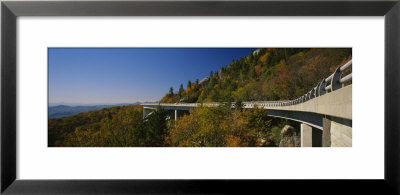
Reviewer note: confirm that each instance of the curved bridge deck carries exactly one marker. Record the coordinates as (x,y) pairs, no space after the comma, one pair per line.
(336,104)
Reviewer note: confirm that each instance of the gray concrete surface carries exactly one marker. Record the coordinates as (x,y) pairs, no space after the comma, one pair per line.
(306,135)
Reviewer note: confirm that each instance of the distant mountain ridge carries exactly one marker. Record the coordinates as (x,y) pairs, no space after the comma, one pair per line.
(64,110)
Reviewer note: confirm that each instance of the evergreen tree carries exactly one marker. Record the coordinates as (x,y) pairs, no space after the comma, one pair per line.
(252,72)
(238,105)
(189,84)
(181,90)
(156,128)
(171,91)
(251,55)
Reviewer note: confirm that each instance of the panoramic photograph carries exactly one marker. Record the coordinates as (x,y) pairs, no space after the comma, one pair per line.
(199,97)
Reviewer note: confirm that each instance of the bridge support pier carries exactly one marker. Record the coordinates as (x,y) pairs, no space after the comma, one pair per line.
(336,132)
(176,115)
(306,135)
(326,132)
(146,112)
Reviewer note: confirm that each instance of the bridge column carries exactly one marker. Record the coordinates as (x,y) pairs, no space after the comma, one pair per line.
(326,132)
(340,134)
(176,115)
(146,112)
(306,135)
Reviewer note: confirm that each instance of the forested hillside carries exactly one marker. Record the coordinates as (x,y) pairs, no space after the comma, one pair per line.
(264,75)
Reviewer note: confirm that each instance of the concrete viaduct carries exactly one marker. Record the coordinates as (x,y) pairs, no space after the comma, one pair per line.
(324,113)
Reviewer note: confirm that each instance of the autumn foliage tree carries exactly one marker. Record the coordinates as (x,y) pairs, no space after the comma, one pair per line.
(121,126)
(220,126)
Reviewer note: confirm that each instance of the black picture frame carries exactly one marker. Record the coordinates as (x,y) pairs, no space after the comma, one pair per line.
(10,10)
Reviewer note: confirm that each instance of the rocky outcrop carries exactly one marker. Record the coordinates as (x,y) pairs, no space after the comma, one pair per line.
(290,137)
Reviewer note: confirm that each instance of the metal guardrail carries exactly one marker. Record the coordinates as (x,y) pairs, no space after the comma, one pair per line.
(334,82)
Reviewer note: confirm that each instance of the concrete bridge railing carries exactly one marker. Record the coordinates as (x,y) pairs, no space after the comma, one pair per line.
(334,82)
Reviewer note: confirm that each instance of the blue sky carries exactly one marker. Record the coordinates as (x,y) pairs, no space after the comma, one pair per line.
(91,76)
